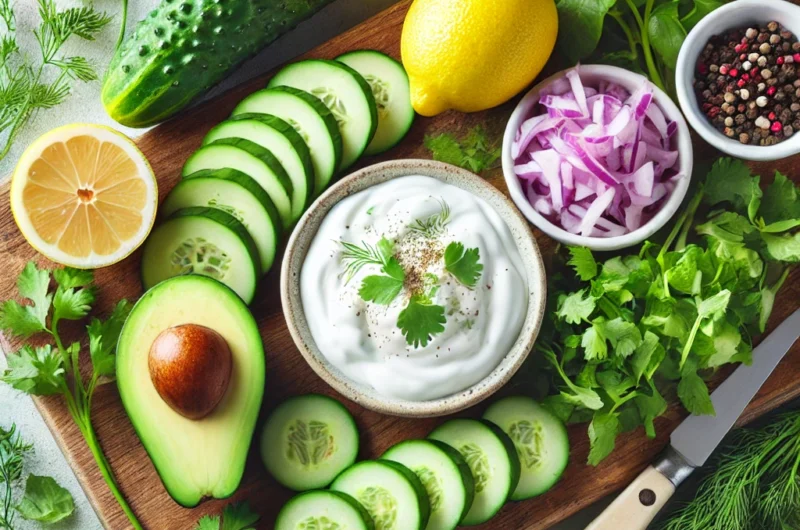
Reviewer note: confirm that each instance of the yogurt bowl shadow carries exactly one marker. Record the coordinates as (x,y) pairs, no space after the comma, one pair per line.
(301,241)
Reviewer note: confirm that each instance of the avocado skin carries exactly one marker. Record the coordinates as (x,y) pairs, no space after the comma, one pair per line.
(184,47)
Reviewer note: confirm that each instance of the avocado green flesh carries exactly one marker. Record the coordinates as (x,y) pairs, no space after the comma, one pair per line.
(195,458)
(184,48)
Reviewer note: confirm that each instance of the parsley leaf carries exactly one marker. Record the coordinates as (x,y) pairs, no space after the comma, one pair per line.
(69,278)
(475,153)
(730,181)
(45,501)
(780,202)
(785,247)
(650,407)
(103,337)
(24,321)
(383,289)
(208,522)
(72,303)
(574,308)
(624,336)
(36,371)
(603,431)
(420,320)
(594,341)
(463,264)
(583,262)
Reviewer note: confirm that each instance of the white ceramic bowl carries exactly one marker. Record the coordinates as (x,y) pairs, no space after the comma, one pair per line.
(591,75)
(741,13)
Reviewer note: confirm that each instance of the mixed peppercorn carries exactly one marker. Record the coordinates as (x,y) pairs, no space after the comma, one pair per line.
(747,84)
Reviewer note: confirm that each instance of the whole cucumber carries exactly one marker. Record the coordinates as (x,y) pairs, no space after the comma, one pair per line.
(184,47)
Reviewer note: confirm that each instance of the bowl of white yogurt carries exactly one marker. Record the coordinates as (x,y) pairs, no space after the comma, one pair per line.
(414,288)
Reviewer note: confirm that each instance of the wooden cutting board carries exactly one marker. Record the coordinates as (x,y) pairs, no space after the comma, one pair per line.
(167,147)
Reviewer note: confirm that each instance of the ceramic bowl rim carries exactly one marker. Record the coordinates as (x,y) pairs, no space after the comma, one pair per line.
(631,81)
(731,15)
(305,232)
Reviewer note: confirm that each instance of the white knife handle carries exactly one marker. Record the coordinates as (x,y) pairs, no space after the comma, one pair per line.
(638,505)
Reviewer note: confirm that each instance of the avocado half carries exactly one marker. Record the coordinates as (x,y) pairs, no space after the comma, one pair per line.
(194,458)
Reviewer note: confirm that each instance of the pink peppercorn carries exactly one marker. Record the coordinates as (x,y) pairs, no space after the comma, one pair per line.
(776,127)
(741,83)
(796,57)
(771,116)
(780,60)
(771,91)
(745,77)
(733,72)
(702,68)
(723,69)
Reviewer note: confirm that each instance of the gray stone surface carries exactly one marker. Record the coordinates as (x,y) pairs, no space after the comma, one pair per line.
(84,105)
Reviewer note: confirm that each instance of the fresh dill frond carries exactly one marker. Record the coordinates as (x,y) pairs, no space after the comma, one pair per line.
(23,89)
(12,453)
(435,225)
(355,257)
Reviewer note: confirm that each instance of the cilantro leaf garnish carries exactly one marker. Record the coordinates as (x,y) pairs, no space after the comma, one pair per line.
(26,320)
(603,431)
(574,308)
(583,262)
(35,370)
(234,517)
(780,202)
(420,320)
(383,289)
(463,264)
(730,181)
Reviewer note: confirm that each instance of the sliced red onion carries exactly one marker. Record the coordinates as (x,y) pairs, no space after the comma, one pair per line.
(597,161)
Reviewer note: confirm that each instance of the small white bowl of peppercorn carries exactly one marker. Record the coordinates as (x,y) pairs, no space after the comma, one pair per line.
(738,79)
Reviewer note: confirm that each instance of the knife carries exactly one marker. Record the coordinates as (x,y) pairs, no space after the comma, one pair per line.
(696,438)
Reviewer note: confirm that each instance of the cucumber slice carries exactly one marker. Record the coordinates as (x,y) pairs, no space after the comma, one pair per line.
(389,83)
(445,475)
(280,139)
(540,439)
(310,118)
(392,494)
(492,459)
(252,160)
(233,192)
(323,510)
(203,241)
(308,440)
(345,93)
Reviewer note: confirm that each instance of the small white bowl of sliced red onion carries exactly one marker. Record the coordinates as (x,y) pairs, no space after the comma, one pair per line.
(597,156)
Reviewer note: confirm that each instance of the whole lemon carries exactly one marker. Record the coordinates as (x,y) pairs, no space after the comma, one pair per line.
(471,55)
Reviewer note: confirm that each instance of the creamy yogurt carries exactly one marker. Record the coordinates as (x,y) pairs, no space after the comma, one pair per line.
(362,339)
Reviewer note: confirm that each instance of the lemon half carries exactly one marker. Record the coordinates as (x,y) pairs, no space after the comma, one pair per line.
(83,195)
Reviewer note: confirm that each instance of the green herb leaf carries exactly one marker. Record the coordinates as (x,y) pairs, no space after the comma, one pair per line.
(420,320)
(208,522)
(784,247)
(780,201)
(583,262)
(69,278)
(72,303)
(463,264)
(103,337)
(355,258)
(666,32)
(730,181)
(693,392)
(476,153)
(585,19)
(647,357)
(594,342)
(624,336)
(714,306)
(238,517)
(650,407)
(38,371)
(383,289)
(603,433)
(576,307)
(24,321)
(45,501)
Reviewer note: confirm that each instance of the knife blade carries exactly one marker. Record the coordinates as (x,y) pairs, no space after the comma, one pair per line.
(692,443)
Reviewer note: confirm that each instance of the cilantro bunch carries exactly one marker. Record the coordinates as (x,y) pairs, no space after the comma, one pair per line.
(54,369)
(474,152)
(234,517)
(624,334)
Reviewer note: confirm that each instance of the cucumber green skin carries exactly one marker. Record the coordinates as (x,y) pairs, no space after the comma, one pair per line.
(300,146)
(177,52)
(324,112)
(250,185)
(463,469)
(508,443)
(372,149)
(362,83)
(368,523)
(229,222)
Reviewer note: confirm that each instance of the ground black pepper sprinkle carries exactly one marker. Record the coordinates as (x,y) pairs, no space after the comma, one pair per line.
(747,77)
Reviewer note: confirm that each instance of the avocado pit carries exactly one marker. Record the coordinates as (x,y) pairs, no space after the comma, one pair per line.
(190,367)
